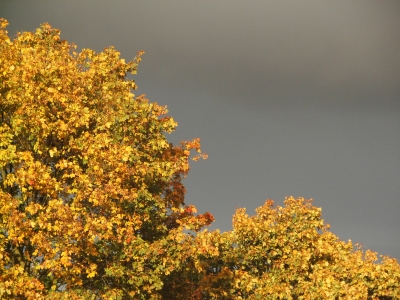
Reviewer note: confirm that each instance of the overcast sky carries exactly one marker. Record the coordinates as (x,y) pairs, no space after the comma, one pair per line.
(294,98)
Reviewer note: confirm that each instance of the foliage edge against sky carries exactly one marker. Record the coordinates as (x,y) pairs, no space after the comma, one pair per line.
(92,201)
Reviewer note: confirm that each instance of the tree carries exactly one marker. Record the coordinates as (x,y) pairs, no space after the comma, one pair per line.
(91,199)
(288,253)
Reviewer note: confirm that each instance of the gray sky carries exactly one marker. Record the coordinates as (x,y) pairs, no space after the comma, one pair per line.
(294,98)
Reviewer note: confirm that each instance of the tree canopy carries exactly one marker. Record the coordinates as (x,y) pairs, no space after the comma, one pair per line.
(92,201)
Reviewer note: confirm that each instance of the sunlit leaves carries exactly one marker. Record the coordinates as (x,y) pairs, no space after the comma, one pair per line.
(288,253)
(92,201)
(91,196)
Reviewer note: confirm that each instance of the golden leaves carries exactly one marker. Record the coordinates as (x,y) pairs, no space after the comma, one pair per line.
(280,252)
(3,23)
(86,169)
(92,200)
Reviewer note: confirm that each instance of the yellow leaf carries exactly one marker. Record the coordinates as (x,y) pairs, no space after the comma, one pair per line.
(92,274)
(52,151)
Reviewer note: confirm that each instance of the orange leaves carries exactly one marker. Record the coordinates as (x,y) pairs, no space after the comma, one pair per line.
(191,209)
(194,144)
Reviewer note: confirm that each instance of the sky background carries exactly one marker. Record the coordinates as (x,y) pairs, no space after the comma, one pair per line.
(294,98)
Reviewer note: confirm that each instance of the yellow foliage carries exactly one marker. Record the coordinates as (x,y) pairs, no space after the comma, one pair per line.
(288,253)
(92,201)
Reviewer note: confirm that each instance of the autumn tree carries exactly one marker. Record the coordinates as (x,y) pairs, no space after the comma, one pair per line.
(92,202)
(289,253)
(91,199)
